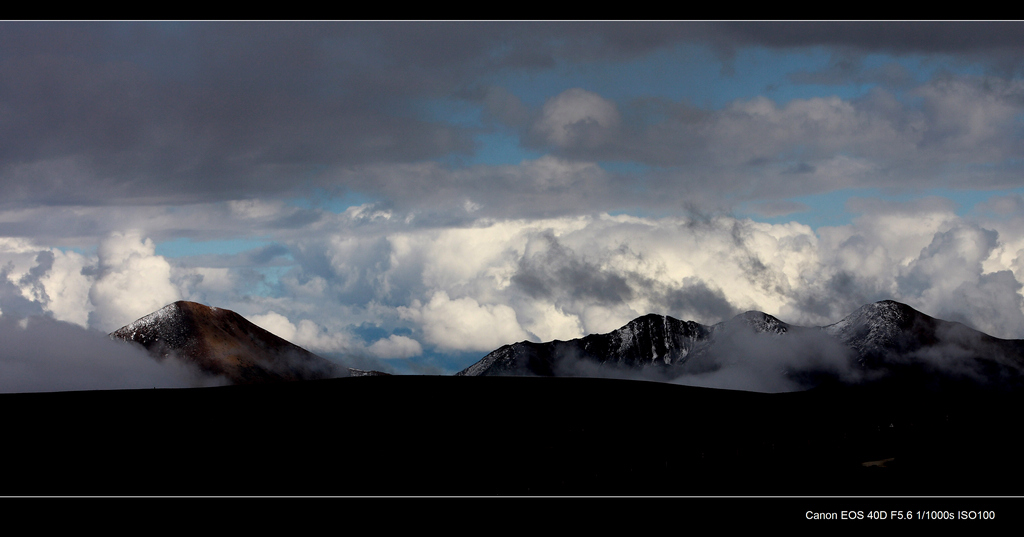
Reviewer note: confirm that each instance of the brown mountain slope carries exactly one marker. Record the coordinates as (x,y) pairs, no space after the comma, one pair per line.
(222,342)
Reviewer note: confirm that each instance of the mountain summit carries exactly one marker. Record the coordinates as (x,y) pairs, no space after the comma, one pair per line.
(222,342)
(885,339)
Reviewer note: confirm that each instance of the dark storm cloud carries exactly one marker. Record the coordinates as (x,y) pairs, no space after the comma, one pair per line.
(177,112)
(847,68)
(841,293)
(800,168)
(558,271)
(894,37)
(653,130)
(759,148)
(696,301)
(186,112)
(997,45)
(551,271)
(437,196)
(100,113)
(610,40)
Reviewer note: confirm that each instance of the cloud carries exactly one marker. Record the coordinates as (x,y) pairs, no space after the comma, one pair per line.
(473,288)
(1012,204)
(548,268)
(173,123)
(567,275)
(762,362)
(132,281)
(222,131)
(316,338)
(969,120)
(395,346)
(563,277)
(37,280)
(695,299)
(306,334)
(463,324)
(948,279)
(435,195)
(756,148)
(846,67)
(67,288)
(153,113)
(276,324)
(12,296)
(900,37)
(544,279)
(41,354)
(577,117)
(205,111)
(546,321)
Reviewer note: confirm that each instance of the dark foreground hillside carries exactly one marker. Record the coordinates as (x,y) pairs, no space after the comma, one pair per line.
(417,435)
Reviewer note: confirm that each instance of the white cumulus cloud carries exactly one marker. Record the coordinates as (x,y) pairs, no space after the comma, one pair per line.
(395,346)
(463,324)
(133,281)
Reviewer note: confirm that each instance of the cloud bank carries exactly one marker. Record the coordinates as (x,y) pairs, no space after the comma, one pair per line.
(416,194)
(45,355)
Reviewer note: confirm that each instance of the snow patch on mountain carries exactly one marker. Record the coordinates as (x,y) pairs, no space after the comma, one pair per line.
(759,352)
(872,328)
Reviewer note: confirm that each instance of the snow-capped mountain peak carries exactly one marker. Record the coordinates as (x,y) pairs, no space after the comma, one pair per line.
(758,321)
(875,327)
(882,338)
(222,342)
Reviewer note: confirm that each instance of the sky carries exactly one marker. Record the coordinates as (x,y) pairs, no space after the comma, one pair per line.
(409,196)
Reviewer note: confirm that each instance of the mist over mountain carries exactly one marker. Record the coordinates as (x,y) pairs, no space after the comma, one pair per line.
(755,351)
(41,354)
(884,341)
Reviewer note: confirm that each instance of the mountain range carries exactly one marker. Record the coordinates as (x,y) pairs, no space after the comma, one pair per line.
(870,424)
(884,341)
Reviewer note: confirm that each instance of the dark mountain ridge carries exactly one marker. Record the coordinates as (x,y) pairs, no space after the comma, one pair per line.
(883,340)
(648,340)
(876,341)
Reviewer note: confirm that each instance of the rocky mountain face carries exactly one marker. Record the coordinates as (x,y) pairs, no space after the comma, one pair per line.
(222,342)
(648,340)
(885,339)
(652,343)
